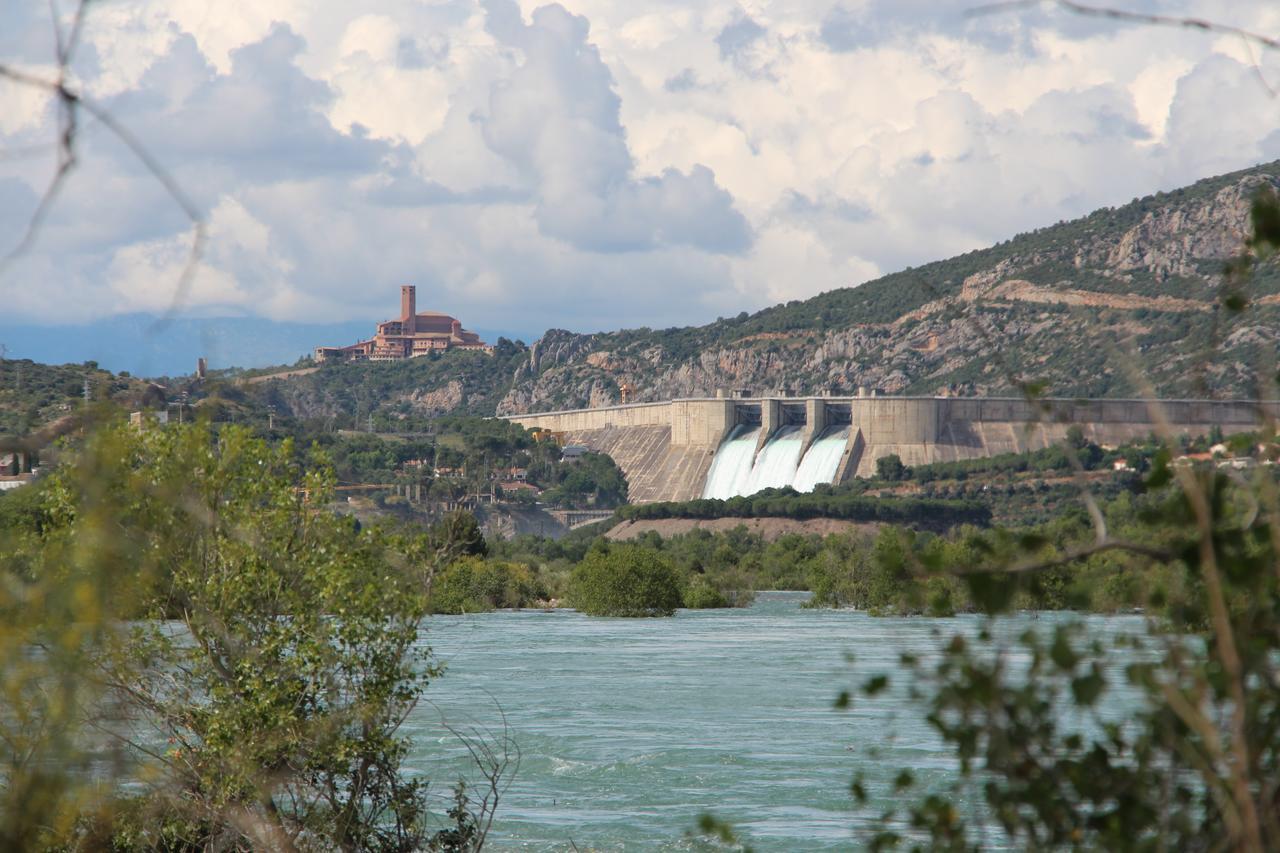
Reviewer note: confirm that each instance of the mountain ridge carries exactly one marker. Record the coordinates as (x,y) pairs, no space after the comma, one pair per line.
(1066,305)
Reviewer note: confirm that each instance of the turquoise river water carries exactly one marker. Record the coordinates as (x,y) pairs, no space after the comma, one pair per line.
(630,728)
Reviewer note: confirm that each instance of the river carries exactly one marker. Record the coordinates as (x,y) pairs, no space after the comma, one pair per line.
(630,728)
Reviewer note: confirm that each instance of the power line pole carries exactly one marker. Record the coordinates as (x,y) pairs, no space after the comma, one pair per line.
(17,368)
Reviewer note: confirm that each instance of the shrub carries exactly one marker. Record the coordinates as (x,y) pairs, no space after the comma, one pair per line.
(281,692)
(701,595)
(891,468)
(473,585)
(625,580)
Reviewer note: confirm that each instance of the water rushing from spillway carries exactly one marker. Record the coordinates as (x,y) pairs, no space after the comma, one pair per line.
(775,466)
(822,459)
(738,470)
(731,468)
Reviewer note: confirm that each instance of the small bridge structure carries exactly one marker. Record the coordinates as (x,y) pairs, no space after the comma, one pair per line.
(575,518)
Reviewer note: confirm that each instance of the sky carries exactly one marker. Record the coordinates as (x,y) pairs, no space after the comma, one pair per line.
(587,164)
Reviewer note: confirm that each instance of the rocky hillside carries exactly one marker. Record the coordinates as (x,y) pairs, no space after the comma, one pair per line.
(1094,307)
(33,394)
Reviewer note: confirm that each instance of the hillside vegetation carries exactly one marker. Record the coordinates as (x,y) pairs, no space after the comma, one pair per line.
(33,394)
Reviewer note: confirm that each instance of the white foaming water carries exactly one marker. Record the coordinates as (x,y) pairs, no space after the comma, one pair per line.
(731,467)
(776,465)
(821,459)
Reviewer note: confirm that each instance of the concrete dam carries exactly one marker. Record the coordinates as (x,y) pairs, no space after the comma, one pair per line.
(717,447)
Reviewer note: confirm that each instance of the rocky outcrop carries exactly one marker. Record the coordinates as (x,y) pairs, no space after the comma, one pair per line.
(1016,290)
(1176,239)
(437,402)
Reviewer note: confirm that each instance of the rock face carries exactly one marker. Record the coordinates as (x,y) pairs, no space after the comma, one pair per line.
(438,402)
(1088,308)
(1174,240)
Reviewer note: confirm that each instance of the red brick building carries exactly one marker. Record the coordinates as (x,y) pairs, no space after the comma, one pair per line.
(411,335)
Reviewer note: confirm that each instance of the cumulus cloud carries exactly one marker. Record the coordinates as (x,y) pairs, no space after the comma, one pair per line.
(557,119)
(738,36)
(592,164)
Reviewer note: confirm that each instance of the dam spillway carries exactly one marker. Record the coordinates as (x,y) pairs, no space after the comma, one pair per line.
(821,463)
(668,449)
(731,467)
(776,463)
(738,470)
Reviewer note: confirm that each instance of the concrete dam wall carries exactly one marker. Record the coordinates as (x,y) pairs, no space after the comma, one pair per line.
(667,449)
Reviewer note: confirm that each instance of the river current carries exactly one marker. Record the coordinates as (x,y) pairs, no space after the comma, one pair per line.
(631,728)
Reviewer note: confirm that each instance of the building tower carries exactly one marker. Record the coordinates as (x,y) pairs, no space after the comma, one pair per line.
(409,309)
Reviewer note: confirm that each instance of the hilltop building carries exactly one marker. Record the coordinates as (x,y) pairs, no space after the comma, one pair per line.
(409,336)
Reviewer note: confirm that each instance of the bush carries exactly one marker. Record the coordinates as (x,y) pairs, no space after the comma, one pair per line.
(881,575)
(474,585)
(891,468)
(281,691)
(625,580)
(701,595)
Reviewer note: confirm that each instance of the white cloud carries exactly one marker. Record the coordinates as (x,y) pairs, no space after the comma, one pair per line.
(593,164)
(556,118)
(386,84)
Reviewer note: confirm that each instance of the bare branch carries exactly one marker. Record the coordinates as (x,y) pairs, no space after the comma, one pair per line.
(70,103)
(1124,15)
(1071,556)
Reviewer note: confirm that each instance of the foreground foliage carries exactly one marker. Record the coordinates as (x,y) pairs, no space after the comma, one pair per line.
(267,714)
(1180,750)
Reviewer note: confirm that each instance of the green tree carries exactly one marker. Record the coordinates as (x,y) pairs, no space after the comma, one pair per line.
(472,585)
(459,533)
(594,479)
(269,718)
(890,468)
(625,580)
